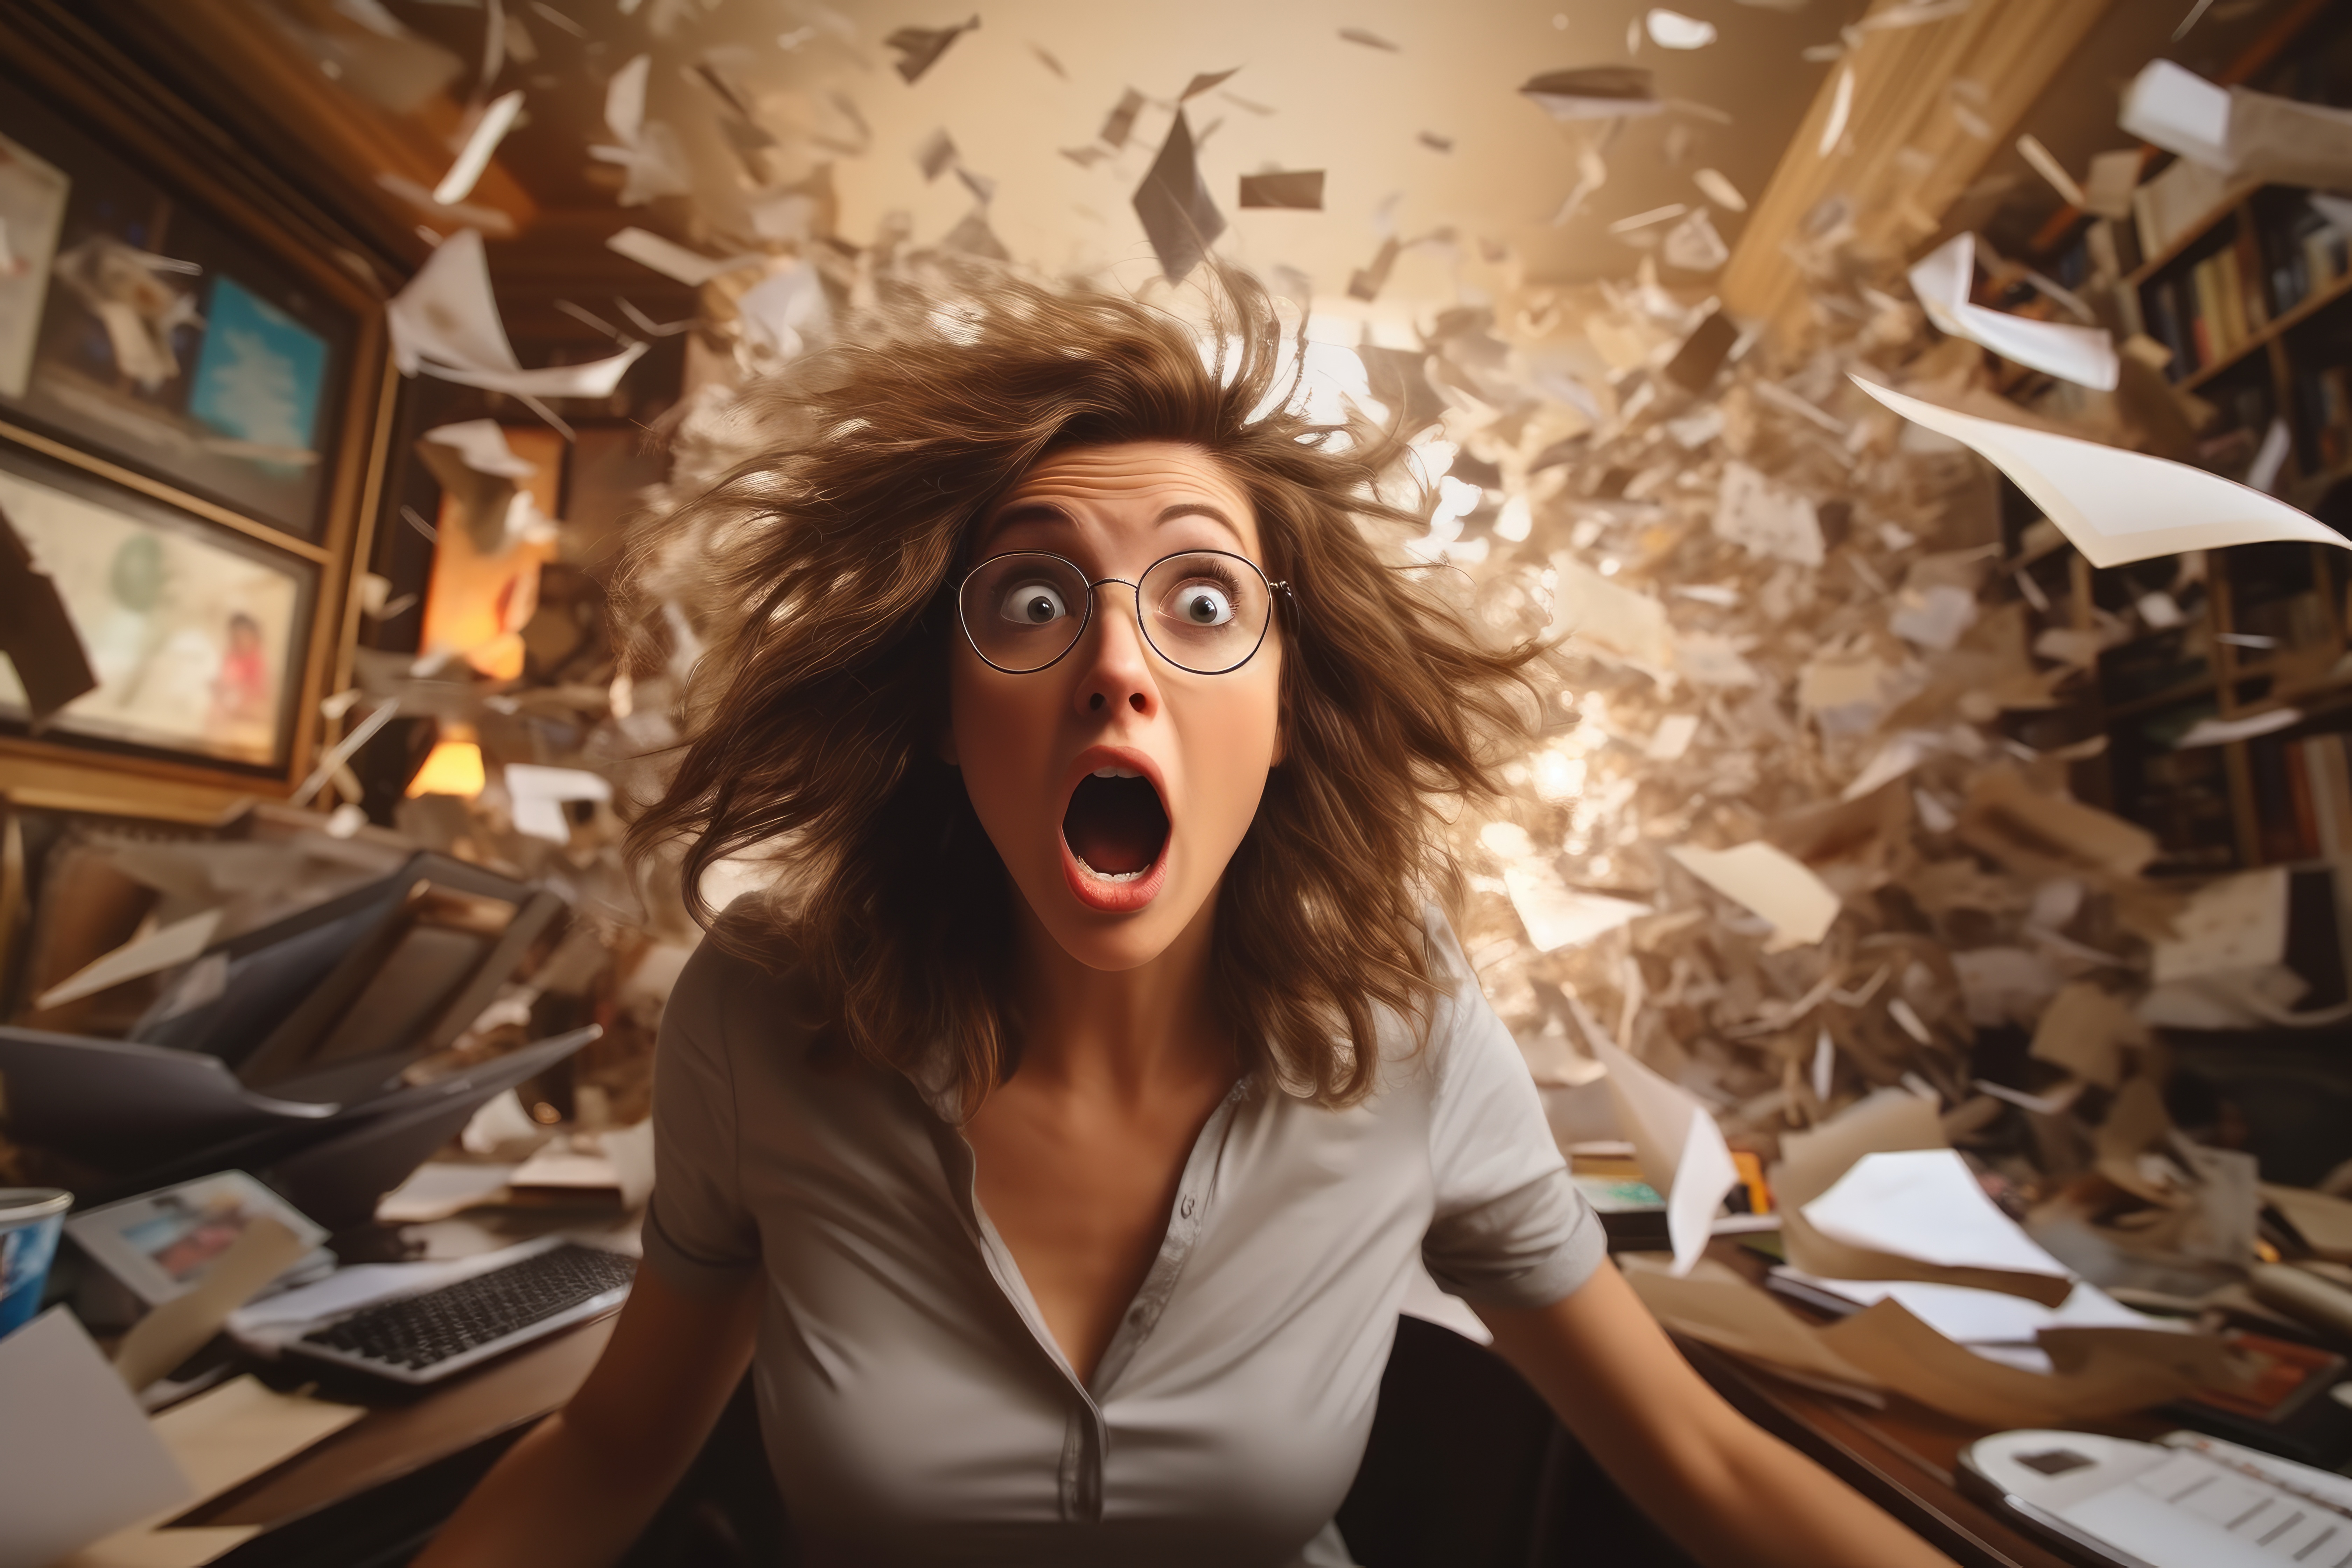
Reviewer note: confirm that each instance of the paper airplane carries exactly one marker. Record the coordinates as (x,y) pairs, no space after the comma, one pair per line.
(1943,279)
(445,323)
(1179,217)
(2115,506)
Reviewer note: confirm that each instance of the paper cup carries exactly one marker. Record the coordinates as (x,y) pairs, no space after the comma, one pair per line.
(30,1220)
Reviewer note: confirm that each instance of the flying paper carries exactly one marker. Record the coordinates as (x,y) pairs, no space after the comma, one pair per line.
(488,132)
(1300,190)
(1841,109)
(1765,519)
(1943,279)
(649,151)
(919,48)
(1673,31)
(1369,40)
(1119,124)
(1204,82)
(671,259)
(1593,92)
(1800,906)
(786,309)
(935,155)
(1925,1204)
(539,795)
(1718,188)
(445,323)
(1179,217)
(2116,506)
(2246,135)
(1557,915)
(482,443)
(1677,1144)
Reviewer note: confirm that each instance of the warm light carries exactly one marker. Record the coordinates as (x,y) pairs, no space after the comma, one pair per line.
(454,768)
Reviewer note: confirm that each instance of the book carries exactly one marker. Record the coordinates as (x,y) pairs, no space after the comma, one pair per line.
(2205,313)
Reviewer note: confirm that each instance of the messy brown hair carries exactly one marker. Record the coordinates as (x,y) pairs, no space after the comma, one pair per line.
(813,720)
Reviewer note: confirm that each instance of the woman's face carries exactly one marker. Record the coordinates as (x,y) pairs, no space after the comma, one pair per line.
(1116,785)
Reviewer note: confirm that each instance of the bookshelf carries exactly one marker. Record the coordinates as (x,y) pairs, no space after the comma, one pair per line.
(2250,288)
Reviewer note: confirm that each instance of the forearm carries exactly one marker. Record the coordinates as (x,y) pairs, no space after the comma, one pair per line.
(1740,1497)
(554,1499)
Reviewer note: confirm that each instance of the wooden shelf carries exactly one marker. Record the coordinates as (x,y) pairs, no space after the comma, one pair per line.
(2228,206)
(2311,304)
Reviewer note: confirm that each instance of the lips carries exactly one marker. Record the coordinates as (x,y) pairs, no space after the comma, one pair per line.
(1115,833)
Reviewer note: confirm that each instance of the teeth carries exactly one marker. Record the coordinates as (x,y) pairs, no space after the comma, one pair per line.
(1116,772)
(1106,875)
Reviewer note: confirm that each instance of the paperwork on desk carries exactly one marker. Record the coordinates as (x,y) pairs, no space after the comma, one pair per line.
(1926,1205)
(77,1458)
(1680,1149)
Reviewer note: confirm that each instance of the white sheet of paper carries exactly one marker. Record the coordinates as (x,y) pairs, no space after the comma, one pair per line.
(672,260)
(786,309)
(1557,915)
(77,1458)
(161,949)
(481,445)
(1672,738)
(439,1188)
(1765,519)
(1971,1316)
(445,323)
(2228,927)
(1680,1149)
(488,132)
(2220,731)
(1771,881)
(1942,279)
(172,1332)
(1923,1204)
(2114,505)
(539,795)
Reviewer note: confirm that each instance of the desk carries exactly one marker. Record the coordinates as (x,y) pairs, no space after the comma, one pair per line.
(1904,1457)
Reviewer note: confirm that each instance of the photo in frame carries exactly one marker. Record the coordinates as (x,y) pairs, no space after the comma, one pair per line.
(161,1244)
(198,634)
(162,339)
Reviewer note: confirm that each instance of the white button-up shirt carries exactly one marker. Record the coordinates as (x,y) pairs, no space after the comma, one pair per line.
(916,1406)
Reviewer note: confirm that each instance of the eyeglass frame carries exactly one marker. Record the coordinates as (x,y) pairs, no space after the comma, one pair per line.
(1135,587)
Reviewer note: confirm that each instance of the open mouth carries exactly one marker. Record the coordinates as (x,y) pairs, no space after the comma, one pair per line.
(1115,825)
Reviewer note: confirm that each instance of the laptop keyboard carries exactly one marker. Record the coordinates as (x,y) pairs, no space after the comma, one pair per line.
(419,1332)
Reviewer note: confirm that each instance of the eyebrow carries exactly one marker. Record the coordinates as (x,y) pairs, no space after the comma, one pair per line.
(1046,511)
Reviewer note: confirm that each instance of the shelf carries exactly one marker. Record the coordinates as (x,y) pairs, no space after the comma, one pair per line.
(2311,304)
(2226,207)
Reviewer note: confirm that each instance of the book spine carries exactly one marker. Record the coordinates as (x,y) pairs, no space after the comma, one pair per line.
(2164,306)
(2253,307)
(2204,314)
(2144,220)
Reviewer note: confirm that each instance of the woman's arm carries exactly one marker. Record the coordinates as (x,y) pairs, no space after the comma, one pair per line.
(580,1486)
(1729,1492)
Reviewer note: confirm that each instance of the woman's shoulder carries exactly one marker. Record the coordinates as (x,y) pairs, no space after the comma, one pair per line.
(746,974)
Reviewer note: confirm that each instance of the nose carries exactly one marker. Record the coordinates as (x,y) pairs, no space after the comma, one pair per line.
(1116,669)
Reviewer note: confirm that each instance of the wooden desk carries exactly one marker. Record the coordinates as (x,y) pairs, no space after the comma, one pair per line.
(1905,1458)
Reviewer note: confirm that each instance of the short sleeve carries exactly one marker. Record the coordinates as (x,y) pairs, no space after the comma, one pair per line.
(1508,1228)
(697,1234)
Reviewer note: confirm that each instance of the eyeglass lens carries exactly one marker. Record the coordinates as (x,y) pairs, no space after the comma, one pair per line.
(1203,611)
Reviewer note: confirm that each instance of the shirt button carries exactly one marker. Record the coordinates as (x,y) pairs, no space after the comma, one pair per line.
(1185,1208)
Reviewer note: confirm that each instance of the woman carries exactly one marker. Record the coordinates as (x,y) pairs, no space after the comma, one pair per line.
(1059,1148)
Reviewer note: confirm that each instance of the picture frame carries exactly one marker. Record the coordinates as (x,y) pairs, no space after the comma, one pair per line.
(161,1244)
(198,634)
(142,326)
(302,293)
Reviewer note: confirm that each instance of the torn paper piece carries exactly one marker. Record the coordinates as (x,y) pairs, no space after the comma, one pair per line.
(672,260)
(2116,506)
(1970,1316)
(488,132)
(1934,616)
(1612,618)
(1673,31)
(1765,519)
(1694,246)
(2048,834)
(1557,915)
(786,310)
(1718,188)
(919,48)
(1677,1144)
(2255,137)
(1119,124)
(445,323)
(1593,92)
(539,795)
(1672,738)
(1299,190)
(1925,1204)
(2114,175)
(2216,732)
(1202,81)
(1370,40)
(1886,1120)
(1840,110)
(2085,1030)
(1943,280)
(481,445)
(167,948)
(2229,927)
(1777,886)
(1179,217)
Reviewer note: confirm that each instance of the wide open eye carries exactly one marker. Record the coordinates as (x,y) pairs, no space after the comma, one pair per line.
(1032,603)
(1201,604)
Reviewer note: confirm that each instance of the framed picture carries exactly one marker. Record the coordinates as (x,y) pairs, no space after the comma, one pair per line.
(196,634)
(161,1244)
(159,335)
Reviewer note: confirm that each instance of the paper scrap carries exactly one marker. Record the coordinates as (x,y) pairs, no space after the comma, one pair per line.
(1672,738)
(1673,31)
(1680,1149)
(1926,1205)
(2228,927)
(172,1332)
(497,119)
(2116,506)
(1298,190)
(674,260)
(1886,1120)
(1717,187)
(539,795)
(1593,92)
(1611,617)
(1944,279)
(78,1457)
(1765,519)
(440,1188)
(482,444)
(1799,906)
(2216,732)
(2085,1030)
(919,48)
(1179,217)
(1840,110)
(1557,915)
(164,948)
(1717,1307)
(445,323)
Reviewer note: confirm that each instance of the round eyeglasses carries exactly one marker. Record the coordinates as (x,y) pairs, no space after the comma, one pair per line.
(1204,611)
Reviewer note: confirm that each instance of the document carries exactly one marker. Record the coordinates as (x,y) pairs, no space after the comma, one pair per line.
(1943,279)
(1926,1205)
(77,1458)
(1776,885)
(445,323)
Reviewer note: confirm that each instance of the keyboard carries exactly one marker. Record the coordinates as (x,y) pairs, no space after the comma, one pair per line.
(431,1335)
